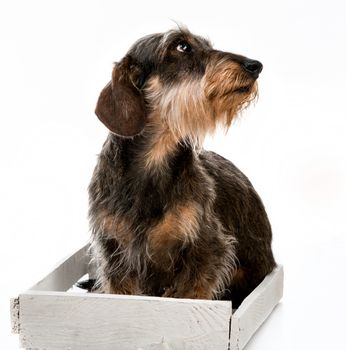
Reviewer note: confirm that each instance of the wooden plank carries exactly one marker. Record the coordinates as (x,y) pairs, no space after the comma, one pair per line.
(66,273)
(47,318)
(255,309)
(101,321)
(15,315)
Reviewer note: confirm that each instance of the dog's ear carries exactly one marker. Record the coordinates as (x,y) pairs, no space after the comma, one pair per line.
(121,104)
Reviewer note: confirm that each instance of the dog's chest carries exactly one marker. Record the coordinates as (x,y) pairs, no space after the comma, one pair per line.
(155,231)
(150,226)
(152,218)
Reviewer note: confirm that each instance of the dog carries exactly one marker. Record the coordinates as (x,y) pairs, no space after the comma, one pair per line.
(168,218)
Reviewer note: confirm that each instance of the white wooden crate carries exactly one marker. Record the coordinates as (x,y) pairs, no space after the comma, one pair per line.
(47,317)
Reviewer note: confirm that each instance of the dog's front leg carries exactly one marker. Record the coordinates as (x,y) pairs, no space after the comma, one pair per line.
(184,287)
(127,285)
(205,271)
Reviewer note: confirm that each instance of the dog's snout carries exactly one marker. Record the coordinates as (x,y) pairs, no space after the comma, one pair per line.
(253,67)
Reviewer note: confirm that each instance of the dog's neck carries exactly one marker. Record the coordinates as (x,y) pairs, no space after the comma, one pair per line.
(160,145)
(151,154)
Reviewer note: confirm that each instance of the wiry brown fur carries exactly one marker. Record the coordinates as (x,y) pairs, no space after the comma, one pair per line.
(167,217)
(180,224)
(221,79)
(194,107)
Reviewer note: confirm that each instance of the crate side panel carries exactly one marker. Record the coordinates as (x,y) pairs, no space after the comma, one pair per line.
(81,322)
(67,272)
(256,308)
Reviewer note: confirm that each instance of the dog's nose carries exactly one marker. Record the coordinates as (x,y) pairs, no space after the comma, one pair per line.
(253,67)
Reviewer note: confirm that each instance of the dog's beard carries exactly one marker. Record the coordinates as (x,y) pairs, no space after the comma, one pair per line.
(228,90)
(193,108)
(181,108)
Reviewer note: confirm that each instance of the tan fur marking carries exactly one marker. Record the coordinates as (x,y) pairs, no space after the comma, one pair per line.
(202,292)
(192,108)
(115,227)
(161,144)
(128,286)
(200,289)
(221,80)
(180,108)
(178,113)
(179,225)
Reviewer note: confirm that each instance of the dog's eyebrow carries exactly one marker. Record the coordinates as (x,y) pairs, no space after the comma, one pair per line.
(203,41)
(172,36)
(190,38)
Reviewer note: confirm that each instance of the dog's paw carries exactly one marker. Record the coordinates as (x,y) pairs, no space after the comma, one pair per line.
(199,293)
(88,284)
(169,292)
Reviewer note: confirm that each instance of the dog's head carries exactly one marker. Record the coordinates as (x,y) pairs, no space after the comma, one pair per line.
(179,80)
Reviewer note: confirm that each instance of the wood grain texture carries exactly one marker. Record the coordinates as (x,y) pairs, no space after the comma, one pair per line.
(67,272)
(14,307)
(255,309)
(47,317)
(103,322)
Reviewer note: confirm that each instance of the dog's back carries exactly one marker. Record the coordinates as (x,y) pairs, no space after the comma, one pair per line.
(242,212)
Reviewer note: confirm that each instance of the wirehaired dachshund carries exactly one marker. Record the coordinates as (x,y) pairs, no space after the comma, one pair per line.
(167,217)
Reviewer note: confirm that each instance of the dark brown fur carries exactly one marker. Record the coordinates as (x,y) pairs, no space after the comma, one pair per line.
(167,217)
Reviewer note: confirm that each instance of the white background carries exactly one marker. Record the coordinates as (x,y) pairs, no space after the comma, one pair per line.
(55,56)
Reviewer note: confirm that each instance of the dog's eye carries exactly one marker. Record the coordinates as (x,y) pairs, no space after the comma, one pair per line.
(183,46)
